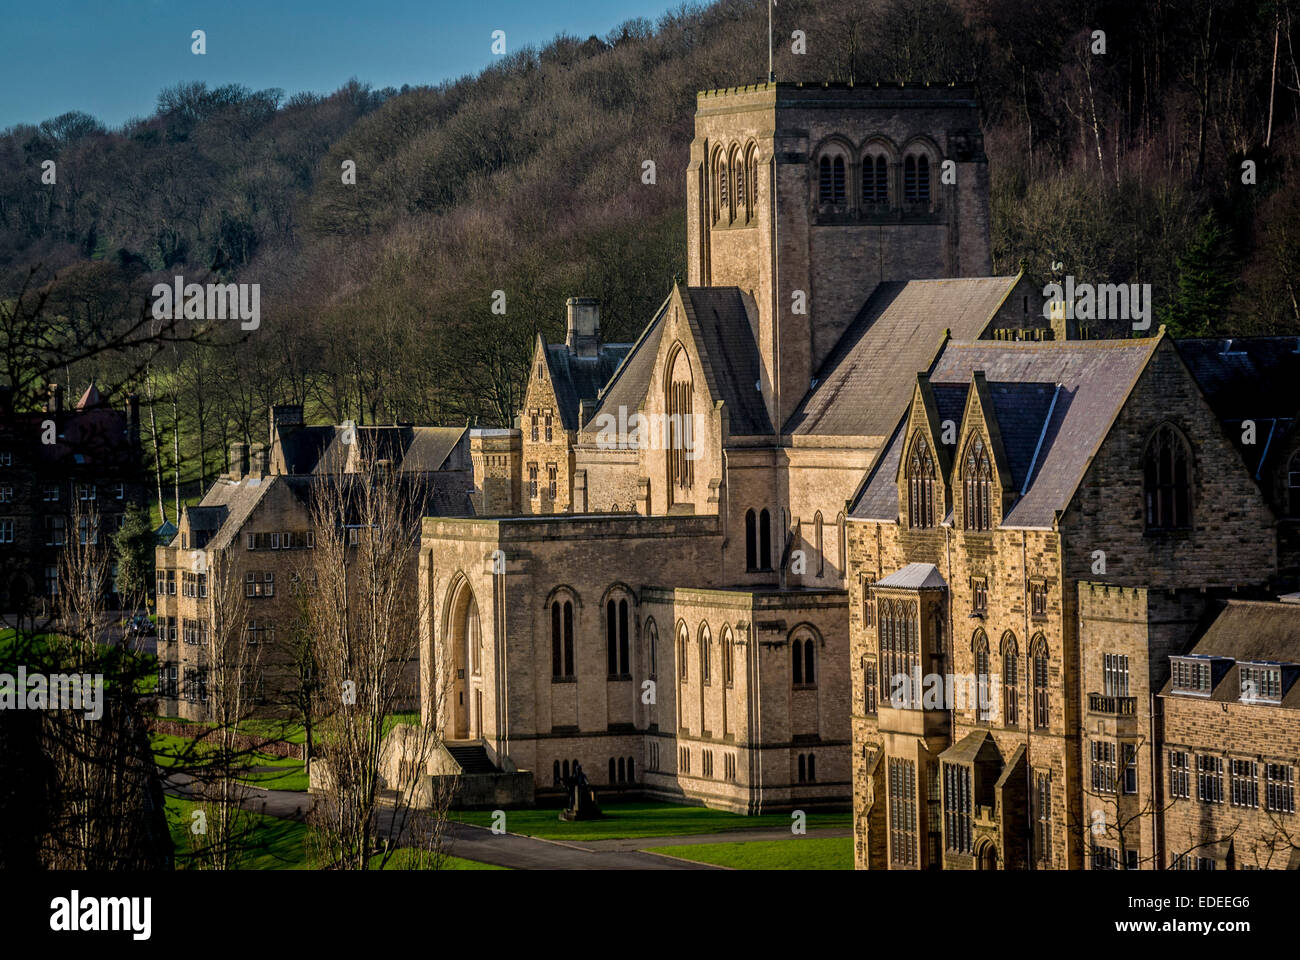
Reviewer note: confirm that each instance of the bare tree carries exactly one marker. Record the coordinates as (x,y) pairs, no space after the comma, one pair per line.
(365,618)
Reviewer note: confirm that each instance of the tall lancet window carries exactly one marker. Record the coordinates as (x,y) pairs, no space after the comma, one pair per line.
(920,485)
(979,483)
(681,427)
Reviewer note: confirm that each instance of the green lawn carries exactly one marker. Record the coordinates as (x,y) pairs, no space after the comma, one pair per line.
(640,819)
(281,844)
(273,845)
(797,853)
(285,773)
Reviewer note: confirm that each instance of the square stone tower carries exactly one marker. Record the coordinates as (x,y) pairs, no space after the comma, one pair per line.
(807,195)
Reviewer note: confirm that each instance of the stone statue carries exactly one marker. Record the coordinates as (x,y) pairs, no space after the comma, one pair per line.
(582,798)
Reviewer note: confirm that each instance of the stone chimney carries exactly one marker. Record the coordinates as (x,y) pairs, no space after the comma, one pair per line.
(257,466)
(286,416)
(583,337)
(54,402)
(238,460)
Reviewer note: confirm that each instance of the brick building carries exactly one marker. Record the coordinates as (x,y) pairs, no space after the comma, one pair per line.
(255,525)
(58,464)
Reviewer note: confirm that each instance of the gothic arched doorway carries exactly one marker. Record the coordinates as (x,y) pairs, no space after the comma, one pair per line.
(465,642)
(986,857)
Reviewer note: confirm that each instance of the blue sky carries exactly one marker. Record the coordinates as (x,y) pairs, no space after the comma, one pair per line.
(111,57)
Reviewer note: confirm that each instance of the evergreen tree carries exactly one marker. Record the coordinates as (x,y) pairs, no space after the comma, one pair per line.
(133,547)
(1207,274)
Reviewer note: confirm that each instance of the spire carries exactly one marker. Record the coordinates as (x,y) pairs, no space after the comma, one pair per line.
(90,398)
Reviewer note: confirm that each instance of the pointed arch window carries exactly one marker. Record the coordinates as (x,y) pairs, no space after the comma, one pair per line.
(728,659)
(916,179)
(978,476)
(1168,480)
(706,654)
(1293,485)
(875,180)
(819,544)
(723,201)
(562,640)
(681,438)
(683,653)
(751,180)
(617,644)
(983,706)
(1042,696)
(742,198)
(764,540)
(751,540)
(920,485)
(1010,680)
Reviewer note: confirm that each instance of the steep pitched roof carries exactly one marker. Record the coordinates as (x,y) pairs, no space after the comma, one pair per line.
(627,388)
(1048,454)
(728,351)
(90,398)
(320,450)
(576,378)
(869,375)
(239,498)
(730,354)
(1249,378)
(303,447)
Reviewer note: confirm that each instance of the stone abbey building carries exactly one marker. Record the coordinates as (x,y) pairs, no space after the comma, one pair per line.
(843,462)
(654,583)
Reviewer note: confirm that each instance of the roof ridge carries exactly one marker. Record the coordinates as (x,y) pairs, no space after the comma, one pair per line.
(1047,345)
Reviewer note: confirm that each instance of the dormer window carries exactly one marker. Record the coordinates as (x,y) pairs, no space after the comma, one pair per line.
(1191,675)
(979,483)
(1261,682)
(920,485)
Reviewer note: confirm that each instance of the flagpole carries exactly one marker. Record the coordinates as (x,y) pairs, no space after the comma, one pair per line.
(771,74)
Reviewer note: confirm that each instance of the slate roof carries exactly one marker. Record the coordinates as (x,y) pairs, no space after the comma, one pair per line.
(1246,631)
(1249,378)
(237,499)
(576,378)
(319,450)
(228,504)
(731,355)
(630,381)
(1095,378)
(729,352)
(869,376)
(914,576)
